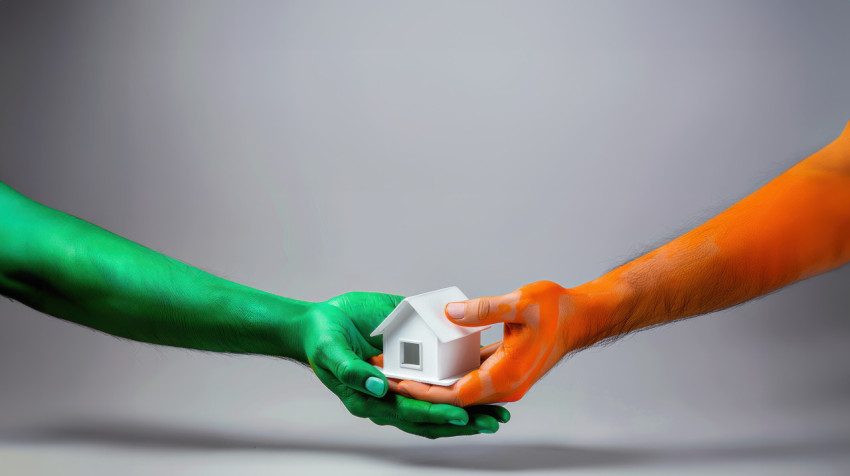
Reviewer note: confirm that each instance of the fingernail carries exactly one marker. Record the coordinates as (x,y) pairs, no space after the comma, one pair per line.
(375,386)
(486,430)
(455,310)
(457,422)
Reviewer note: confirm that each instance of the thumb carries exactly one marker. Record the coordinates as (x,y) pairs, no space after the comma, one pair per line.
(484,311)
(349,369)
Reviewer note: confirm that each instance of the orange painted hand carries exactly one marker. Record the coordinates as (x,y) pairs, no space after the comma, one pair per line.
(535,318)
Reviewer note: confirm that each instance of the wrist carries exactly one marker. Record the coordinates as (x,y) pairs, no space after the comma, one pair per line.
(599,312)
(265,323)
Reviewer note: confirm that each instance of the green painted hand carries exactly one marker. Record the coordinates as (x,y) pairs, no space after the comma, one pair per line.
(336,344)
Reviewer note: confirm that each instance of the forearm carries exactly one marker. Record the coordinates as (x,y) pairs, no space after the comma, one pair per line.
(74,270)
(796,226)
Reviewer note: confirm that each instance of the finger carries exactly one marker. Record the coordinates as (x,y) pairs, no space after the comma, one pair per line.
(498,412)
(377,360)
(426,430)
(431,393)
(406,410)
(484,311)
(479,424)
(484,423)
(491,349)
(417,411)
(392,407)
(394,387)
(349,369)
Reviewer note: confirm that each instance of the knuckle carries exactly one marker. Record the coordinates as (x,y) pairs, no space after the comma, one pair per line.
(546,287)
(479,308)
(342,369)
(411,410)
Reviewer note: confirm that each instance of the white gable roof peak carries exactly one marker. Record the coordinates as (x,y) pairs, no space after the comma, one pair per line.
(430,307)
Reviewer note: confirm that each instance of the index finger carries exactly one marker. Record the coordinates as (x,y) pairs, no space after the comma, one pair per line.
(432,393)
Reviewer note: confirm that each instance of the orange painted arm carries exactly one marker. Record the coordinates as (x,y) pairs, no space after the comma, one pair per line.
(795,227)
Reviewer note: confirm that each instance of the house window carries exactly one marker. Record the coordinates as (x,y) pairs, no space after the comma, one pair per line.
(411,355)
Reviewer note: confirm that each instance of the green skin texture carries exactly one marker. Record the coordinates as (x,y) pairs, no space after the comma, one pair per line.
(69,268)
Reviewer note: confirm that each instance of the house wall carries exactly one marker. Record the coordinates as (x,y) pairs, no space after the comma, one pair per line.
(458,356)
(411,328)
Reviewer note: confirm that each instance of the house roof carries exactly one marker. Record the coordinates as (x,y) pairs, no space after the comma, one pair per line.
(431,308)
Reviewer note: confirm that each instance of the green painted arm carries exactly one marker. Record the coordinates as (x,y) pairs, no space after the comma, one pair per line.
(71,269)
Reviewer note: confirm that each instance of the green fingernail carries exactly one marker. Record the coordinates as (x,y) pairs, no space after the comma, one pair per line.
(486,430)
(457,422)
(375,386)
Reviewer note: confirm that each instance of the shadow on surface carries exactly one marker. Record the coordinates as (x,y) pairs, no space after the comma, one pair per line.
(493,457)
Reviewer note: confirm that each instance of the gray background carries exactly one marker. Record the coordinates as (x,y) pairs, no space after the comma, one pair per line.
(310,149)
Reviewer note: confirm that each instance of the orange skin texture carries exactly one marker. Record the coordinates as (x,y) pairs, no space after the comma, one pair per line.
(795,227)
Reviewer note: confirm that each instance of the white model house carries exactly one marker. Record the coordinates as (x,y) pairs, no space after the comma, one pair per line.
(421,343)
